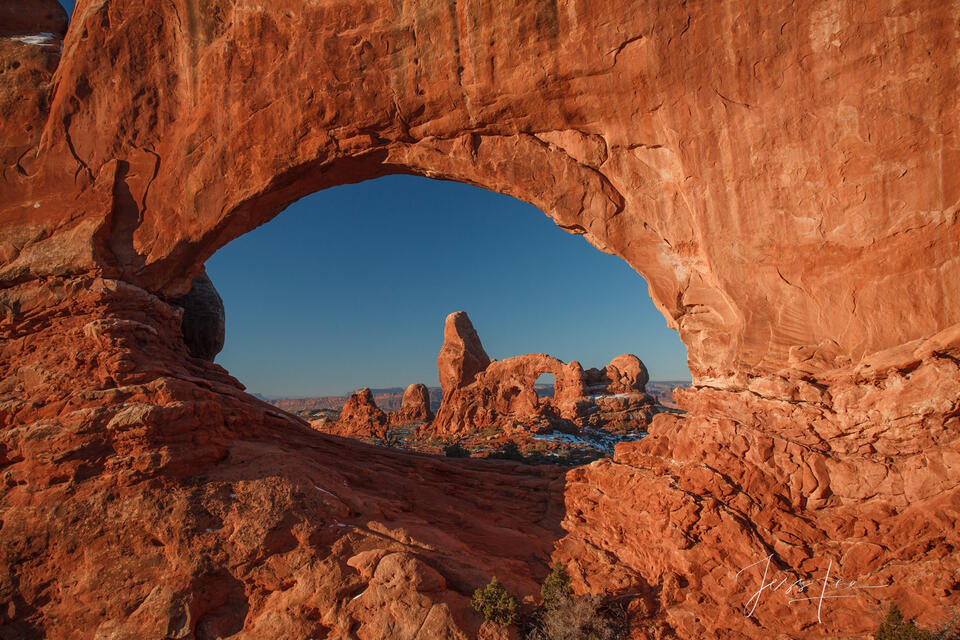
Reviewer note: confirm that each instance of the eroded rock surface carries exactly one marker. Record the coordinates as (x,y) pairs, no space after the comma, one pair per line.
(359,418)
(462,356)
(415,407)
(784,176)
(173,504)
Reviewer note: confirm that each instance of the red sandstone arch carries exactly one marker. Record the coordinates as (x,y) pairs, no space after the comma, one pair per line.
(785,178)
(607,124)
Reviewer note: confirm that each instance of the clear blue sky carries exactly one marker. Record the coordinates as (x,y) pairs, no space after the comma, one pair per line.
(350,287)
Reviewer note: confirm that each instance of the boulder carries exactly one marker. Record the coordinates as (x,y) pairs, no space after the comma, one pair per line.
(627,374)
(204,320)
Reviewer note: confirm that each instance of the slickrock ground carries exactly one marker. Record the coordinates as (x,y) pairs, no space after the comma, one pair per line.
(784,175)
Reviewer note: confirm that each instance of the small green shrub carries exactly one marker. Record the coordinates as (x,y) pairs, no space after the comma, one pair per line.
(556,586)
(895,627)
(509,451)
(495,603)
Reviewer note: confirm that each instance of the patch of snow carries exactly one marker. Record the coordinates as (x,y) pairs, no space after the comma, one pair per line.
(211,530)
(40,39)
(562,437)
(233,496)
(326,492)
(599,396)
(600,440)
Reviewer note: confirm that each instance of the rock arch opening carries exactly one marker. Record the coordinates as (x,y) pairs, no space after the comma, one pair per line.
(349,288)
(545,385)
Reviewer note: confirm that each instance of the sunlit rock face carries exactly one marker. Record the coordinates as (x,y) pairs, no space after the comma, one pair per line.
(479,393)
(784,177)
(361,417)
(462,355)
(414,407)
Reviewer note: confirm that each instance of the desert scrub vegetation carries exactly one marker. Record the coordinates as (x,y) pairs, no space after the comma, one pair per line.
(893,626)
(495,603)
(575,618)
(508,451)
(563,616)
(556,585)
(456,450)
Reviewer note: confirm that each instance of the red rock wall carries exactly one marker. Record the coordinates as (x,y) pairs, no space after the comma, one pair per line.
(783,175)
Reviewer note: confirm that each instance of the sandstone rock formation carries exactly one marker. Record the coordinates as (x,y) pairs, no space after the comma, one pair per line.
(31,35)
(626,374)
(415,408)
(160,501)
(204,321)
(462,356)
(783,175)
(360,417)
(500,393)
(390,400)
